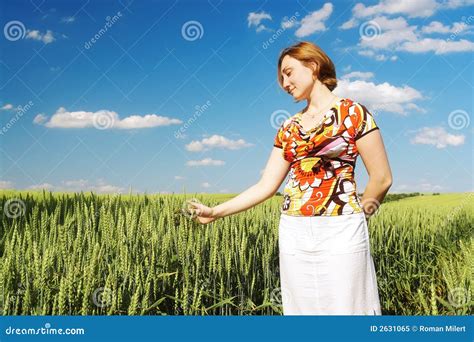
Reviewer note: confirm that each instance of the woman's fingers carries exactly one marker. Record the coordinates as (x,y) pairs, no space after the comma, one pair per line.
(196,210)
(204,220)
(193,208)
(199,212)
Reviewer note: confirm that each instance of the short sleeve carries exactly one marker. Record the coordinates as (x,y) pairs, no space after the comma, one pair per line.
(278,142)
(364,121)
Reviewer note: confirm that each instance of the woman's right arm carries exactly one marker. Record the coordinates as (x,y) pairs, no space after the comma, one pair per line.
(275,172)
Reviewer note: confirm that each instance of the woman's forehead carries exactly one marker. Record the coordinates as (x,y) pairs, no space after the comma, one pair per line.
(288,62)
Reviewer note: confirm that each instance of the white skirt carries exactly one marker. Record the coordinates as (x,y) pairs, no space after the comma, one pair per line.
(326,267)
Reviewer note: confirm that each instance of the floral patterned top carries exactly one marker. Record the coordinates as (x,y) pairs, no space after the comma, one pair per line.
(321,177)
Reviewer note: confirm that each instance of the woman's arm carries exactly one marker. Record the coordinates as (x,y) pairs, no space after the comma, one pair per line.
(372,151)
(275,172)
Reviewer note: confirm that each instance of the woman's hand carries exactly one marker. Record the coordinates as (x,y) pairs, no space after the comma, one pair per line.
(200,212)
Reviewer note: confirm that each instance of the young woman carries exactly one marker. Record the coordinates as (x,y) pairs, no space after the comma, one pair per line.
(326,267)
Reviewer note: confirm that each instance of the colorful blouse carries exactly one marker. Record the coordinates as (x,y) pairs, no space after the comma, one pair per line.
(321,177)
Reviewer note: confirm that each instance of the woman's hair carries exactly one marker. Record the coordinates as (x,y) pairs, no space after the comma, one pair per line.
(307,52)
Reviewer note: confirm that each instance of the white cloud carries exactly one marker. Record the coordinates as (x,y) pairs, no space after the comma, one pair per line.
(216,141)
(420,186)
(438,27)
(413,106)
(40,119)
(351,23)
(68,20)
(8,106)
(79,183)
(255,19)
(102,119)
(387,33)
(100,186)
(380,57)
(438,137)
(451,4)
(106,188)
(430,187)
(46,38)
(149,120)
(261,28)
(367,53)
(359,75)
(400,188)
(205,162)
(48,13)
(45,186)
(379,97)
(438,46)
(419,8)
(179,177)
(6,184)
(315,21)
(206,185)
(397,35)
(287,23)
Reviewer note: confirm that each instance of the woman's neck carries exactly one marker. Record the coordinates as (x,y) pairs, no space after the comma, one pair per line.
(320,98)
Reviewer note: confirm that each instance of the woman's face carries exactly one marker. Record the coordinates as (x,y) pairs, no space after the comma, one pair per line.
(297,78)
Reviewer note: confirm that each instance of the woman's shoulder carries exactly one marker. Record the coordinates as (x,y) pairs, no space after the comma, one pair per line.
(352,107)
(349,102)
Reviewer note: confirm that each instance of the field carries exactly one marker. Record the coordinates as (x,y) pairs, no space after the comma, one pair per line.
(89,254)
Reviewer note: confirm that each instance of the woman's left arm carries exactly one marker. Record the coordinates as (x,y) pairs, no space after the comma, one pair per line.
(372,151)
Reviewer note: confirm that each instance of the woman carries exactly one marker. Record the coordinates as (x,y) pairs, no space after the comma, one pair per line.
(326,267)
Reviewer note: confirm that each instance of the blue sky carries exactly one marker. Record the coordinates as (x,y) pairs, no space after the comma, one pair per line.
(173,96)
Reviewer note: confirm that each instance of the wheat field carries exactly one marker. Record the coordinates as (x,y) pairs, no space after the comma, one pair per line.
(90,254)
